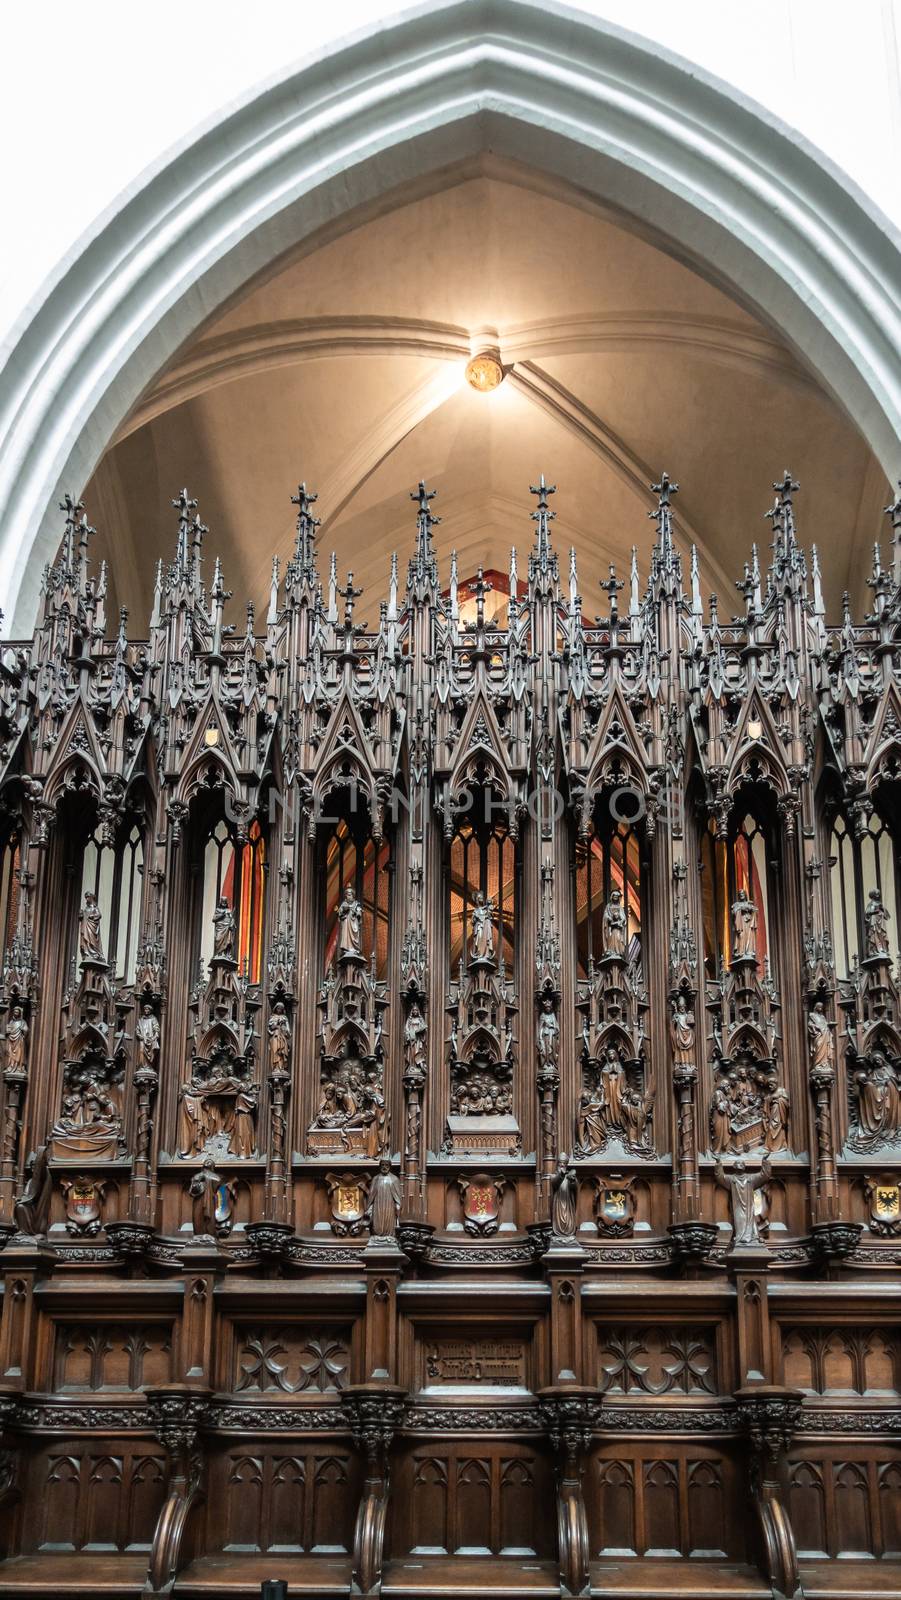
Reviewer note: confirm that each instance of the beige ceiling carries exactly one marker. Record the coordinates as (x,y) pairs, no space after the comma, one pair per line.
(345,367)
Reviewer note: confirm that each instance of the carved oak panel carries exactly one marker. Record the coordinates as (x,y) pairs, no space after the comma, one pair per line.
(109,1356)
(282,1358)
(283,1497)
(471,1498)
(649,1499)
(845,1501)
(80,1497)
(657,1361)
(842,1361)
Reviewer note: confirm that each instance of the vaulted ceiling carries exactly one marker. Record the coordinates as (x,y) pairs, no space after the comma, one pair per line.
(345,366)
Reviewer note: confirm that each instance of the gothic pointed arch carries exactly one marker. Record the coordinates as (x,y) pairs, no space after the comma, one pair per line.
(481,760)
(755,752)
(345,762)
(617,758)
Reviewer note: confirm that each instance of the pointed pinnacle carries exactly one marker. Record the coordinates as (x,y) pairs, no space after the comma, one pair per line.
(664,490)
(305,501)
(423,497)
(542,490)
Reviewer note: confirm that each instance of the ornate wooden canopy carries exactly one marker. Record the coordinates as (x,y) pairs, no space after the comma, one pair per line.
(451,1128)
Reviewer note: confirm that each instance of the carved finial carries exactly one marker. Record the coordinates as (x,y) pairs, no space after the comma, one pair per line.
(157,596)
(542,562)
(789,567)
(611,587)
(697,605)
(818,606)
(664,490)
(349,595)
(423,571)
(186,509)
(424,498)
(573,580)
(186,567)
(272,613)
(480,588)
(391,613)
(633,583)
(453,600)
(305,541)
(664,560)
(542,490)
(71,569)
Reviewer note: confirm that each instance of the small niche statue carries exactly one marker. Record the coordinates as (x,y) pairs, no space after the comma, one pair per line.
(548,1033)
(16,1041)
(744,927)
(147,1030)
(224,929)
(614,926)
(90,918)
(876,920)
(350,924)
(682,1033)
(279,1039)
(415,1030)
(819,1039)
(481,941)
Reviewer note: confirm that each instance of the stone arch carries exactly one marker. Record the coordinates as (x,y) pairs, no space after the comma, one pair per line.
(715,178)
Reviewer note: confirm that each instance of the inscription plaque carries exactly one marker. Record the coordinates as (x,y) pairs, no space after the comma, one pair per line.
(473,1363)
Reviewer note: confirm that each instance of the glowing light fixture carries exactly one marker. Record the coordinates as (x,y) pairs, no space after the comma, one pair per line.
(484,371)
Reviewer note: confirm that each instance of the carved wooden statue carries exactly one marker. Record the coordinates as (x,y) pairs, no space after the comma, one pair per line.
(32,1209)
(384,1202)
(742,1185)
(350,925)
(565,1186)
(481,941)
(90,936)
(744,927)
(876,921)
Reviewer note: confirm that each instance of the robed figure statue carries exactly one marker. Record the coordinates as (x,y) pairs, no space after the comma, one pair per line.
(350,924)
(90,918)
(223,931)
(481,942)
(744,927)
(819,1039)
(564,1184)
(742,1186)
(384,1202)
(614,927)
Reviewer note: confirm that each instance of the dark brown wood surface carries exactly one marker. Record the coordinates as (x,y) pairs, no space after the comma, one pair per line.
(398,1205)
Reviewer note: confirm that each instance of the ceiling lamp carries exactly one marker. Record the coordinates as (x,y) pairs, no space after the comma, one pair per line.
(484,371)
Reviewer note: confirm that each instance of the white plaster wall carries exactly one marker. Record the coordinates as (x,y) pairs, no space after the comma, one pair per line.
(96,92)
